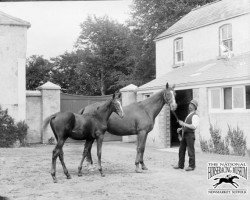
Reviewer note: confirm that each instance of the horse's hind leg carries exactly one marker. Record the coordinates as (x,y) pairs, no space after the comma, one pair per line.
(58,152)
(65,170)
(86,152)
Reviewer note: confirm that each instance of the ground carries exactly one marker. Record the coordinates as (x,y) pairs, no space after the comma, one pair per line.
(24,174)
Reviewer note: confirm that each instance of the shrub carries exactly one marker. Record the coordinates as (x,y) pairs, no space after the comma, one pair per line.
(51,140)
(237,141)
(22,131)
(219,145)
(9,131)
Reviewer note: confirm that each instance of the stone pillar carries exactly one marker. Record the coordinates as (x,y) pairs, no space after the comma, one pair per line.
(128,97)
(50,105)
(164,128)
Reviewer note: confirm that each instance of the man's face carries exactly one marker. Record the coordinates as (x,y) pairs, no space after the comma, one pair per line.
(191,107)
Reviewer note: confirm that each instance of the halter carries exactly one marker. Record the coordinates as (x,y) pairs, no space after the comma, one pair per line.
(167,101)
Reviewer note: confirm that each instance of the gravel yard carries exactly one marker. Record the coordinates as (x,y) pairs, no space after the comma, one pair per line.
(24,174)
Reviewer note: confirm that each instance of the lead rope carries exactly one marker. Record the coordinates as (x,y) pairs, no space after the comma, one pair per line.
(182,132)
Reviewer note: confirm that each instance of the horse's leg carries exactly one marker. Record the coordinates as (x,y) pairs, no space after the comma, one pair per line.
(143,166)
(87,149)
(233,184)
(89,158)
(61,157)
(99,152)
(236,183)
(55,154)
(140,138)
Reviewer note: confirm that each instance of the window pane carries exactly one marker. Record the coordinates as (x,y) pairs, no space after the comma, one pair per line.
(178,45)
(248,97)
(179,56)
(229,31)
(228,98)
(215,99)
(228,44)
(238,99)
(224,33)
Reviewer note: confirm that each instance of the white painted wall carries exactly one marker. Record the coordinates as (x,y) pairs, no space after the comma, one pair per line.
(203,44)
(13,45)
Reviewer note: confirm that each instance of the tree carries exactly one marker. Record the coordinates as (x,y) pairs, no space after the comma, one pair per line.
(38,71)
(71,72)
(108,43)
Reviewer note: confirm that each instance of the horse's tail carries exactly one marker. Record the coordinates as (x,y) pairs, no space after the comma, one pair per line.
(47,120)
(80,112)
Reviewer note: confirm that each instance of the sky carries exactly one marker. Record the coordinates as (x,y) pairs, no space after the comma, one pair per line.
(55,26)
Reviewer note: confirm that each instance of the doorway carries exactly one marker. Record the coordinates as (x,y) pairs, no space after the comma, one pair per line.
(183,97)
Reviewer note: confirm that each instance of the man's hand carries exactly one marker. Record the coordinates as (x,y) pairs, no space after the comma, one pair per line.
(181,123)
(179,130)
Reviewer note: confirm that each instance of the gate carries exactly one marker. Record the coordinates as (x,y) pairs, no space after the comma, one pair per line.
(74,103)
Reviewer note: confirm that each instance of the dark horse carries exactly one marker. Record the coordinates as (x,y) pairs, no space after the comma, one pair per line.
(89,126)
(228,179)
(139,119)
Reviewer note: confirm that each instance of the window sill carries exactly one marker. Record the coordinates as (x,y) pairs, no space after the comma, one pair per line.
(220,111)
(176,65)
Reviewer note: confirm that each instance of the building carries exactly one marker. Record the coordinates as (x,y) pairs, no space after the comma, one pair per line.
(13,45)
(206,54)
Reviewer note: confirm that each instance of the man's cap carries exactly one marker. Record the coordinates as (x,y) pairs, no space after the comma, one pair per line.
(194,102)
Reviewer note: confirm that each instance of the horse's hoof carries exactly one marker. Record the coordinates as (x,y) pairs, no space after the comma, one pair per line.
(55,180)
(80,174)
(102,175)
(68,177)
(138,171)
(144,168)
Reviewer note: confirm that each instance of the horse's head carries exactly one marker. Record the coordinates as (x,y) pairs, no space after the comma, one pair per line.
(169,97)
(116,105)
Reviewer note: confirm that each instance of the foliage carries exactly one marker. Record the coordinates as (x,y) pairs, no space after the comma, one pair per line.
(11,132)
(22,131)
(234,139)
(51,140)
(219,145)
(237,141)
(108,43)
(38,71)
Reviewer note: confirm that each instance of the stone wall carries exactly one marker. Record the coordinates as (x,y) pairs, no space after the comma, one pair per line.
(40,104)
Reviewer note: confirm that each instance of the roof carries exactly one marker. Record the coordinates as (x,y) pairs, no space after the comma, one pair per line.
(212,71)
(6,19)
(208,14)
(129,88)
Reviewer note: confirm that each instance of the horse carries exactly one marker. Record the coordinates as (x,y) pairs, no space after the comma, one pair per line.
(228,179)
(139,119)
(89,126)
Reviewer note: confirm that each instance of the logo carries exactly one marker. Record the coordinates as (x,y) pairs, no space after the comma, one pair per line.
(227,177)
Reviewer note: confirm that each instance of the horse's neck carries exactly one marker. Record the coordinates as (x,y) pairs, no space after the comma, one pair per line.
(154,104)
(104,111)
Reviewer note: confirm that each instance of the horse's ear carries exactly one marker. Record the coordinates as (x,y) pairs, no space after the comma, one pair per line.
(167,86)
(119,95)
(113,97)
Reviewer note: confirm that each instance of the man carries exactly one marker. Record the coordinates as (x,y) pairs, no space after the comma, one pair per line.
(188,137)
